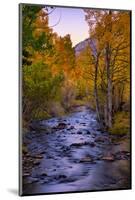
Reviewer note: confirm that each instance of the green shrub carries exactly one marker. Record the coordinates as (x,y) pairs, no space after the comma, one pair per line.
(40,114)
(121,123)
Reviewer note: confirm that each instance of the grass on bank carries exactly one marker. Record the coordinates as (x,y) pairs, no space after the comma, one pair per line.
(121,125)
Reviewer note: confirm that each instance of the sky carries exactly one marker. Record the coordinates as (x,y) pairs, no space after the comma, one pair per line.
(72,21)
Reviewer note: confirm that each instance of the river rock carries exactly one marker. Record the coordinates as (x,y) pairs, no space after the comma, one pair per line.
(92,144)
(61,126)
(94,135)
(65,148)
(26,174)
(38,126)
(42,152)
(79,132)
(99,129)
(36,162)
(88,132)
(38,156)
(49,157)
(86,159)
(32,180)
(122,155)
(44,174)
(76,144)
(60,176)
(101,139)
(70,128)
(108,158)
(83,123)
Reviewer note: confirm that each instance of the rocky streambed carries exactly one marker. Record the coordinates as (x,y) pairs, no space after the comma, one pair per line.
(72,153)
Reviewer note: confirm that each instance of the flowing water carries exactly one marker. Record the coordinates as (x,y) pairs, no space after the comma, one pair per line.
(75,156)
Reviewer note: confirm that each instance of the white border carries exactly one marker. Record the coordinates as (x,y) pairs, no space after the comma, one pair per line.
(9,98)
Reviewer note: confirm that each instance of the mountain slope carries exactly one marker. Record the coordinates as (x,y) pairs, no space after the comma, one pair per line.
(82,45)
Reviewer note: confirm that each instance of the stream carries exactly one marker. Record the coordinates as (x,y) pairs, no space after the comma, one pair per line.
(74,154)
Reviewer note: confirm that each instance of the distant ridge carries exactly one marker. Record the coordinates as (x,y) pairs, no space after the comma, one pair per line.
(82,45)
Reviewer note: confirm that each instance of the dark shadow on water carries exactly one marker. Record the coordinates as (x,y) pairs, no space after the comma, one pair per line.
(13,191)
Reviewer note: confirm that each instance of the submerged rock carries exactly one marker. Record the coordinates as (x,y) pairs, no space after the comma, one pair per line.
(86,159)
